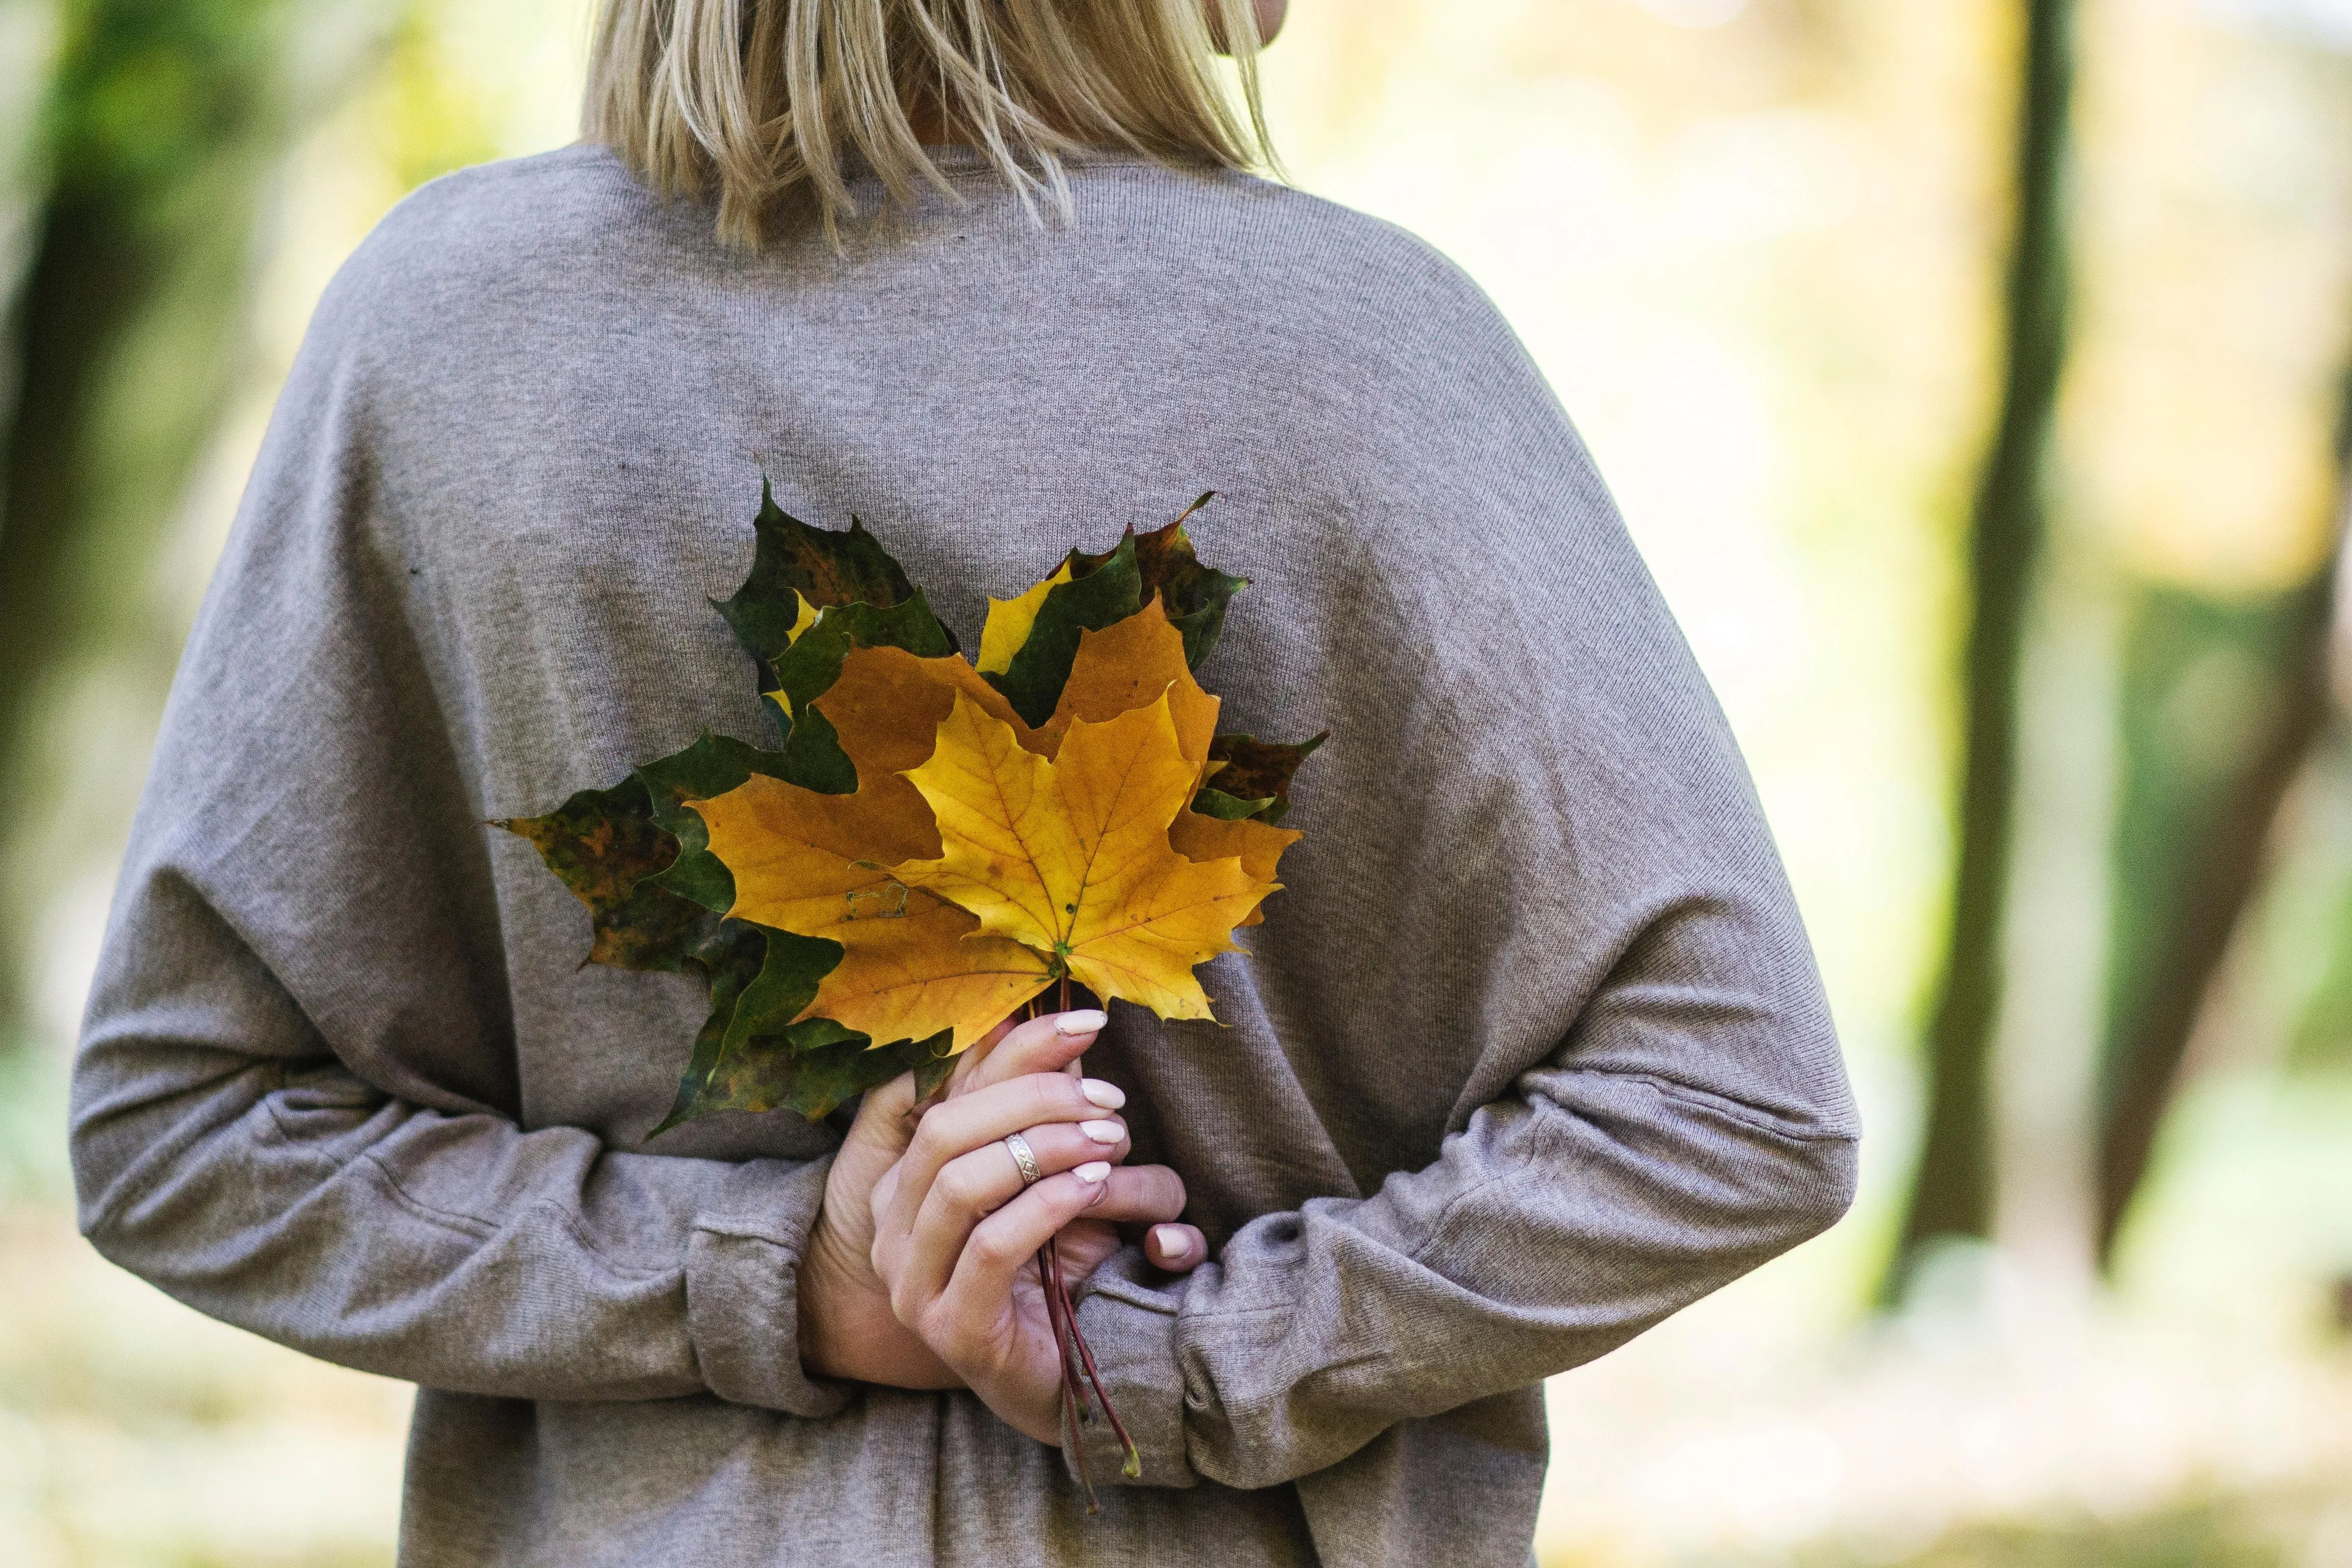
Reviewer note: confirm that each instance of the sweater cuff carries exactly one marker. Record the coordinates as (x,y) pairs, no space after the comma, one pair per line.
(1131,1329)
(742,1287)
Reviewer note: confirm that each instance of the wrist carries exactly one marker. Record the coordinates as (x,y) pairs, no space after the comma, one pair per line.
(849,1333)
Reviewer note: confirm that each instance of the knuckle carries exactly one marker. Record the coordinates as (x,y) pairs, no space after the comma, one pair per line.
(930,1142)
(959,1187)
(990,1245)
(1052,1094)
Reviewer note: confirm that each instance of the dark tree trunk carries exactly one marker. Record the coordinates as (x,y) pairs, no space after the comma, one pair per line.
(2202,788)
(1953,1192)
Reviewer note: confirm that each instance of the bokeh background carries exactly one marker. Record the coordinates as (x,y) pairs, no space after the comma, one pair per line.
(1971,373)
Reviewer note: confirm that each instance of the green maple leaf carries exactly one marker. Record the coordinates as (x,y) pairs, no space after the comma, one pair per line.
(606,846)
(629,854)
(752,1057)
(806,671)
(657,899)
(1111,591)
(792,562)
(1194,596)
(813,594)
(704,771)
(1256,778)
(1089,593)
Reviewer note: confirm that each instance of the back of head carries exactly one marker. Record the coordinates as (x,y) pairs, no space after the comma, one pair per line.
(763,107)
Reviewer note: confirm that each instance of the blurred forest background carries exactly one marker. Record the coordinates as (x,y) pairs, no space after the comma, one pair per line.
(1973,374)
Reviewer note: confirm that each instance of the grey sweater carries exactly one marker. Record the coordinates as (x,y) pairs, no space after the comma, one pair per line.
(1530,1054)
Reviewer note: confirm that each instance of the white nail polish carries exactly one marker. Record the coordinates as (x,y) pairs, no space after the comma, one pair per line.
(1173,1242)
(1109,1096)
(1094,1173)
(1085,1021)
(1103,1131)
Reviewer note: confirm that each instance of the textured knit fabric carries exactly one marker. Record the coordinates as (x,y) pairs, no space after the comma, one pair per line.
(1530,1054)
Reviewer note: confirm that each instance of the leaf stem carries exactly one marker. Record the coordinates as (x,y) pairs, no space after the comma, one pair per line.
(1057,1313)
(1077,1357)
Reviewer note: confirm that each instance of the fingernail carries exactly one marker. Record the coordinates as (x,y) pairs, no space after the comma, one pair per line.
(1094,1173)
(1103,1131)
(1173,1241)
(1085,1021)
(1109,1096)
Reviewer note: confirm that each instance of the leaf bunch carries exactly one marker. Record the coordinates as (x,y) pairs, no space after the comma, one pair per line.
(934,841)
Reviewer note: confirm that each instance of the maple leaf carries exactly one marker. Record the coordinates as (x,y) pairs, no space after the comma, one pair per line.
(1120,668)
(754,1055)
(1040,661)
(1257,844)
(1254,776)
(911,964)
(814,594)
(1126,666)
(1070,857)
(1196,595)
(657,899)
(797,569)
(816,864)
(606,846)
(1030,641)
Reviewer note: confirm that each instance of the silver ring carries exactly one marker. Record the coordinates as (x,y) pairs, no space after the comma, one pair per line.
(1024,1156)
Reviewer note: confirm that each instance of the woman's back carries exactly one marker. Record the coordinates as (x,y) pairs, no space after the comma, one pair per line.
(1529,1053)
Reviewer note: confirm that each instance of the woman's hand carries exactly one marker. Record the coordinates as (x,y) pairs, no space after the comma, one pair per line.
(847,1328)
(955,1231)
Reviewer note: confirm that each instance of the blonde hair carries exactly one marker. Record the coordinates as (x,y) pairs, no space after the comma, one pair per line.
(765,104)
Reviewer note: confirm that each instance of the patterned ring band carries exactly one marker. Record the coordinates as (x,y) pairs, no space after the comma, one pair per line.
(1024,1156)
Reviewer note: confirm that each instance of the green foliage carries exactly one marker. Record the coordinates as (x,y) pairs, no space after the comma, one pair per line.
(1226,808)
(147,90)
(2203,681)
(806,670)
(792,562)
(160,126)
(604,845)
(1104,589)
(711,766)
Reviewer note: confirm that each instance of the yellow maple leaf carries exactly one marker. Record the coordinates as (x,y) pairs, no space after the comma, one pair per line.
(1127,666)
(1122,667)
(912,964)
(1256,844)
(1070,857)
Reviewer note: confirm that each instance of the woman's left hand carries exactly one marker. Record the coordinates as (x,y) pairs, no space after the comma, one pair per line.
(956,1231)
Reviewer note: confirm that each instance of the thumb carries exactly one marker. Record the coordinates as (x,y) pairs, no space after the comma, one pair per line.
(885,1118)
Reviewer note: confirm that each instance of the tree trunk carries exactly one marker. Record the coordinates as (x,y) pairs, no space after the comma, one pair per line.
(2223,704)
(1953,1191)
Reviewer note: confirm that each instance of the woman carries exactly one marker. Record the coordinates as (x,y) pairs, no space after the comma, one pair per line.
(1530,1054)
